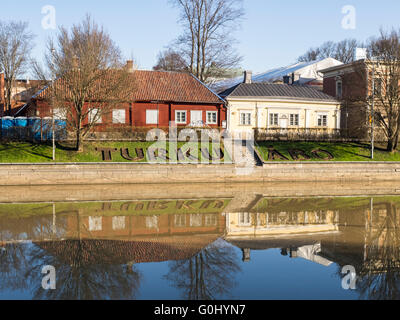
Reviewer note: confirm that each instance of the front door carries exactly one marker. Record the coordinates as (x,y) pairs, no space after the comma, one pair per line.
(196,118)
(284,122)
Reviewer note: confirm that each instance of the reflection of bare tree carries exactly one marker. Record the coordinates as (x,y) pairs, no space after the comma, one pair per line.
(91,272)
(13,263)
(380,273)
(207,275)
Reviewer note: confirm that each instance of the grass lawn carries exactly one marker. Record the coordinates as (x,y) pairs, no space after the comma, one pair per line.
(18,152)
(340,151)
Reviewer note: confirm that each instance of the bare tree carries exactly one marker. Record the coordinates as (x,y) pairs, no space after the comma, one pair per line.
(91,79)
(342,51)
(205,43)
(16,42)
(384,65)
(170,60)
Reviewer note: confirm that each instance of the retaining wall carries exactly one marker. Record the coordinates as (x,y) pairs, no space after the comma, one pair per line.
(129,173)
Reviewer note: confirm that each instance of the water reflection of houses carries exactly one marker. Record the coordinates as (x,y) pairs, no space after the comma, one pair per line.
(289,224)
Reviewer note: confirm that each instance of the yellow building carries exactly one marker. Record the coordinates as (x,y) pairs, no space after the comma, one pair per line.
(280,108)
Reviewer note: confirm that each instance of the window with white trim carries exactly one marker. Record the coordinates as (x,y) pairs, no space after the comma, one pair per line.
(294,120)
(244,219)
(94,116)
(245,118)
(212,117)
(180,117)
(180,220)
(119,116)
(151,116)
(274,119)
(322,120)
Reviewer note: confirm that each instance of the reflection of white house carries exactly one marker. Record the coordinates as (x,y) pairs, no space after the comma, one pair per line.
(277,107)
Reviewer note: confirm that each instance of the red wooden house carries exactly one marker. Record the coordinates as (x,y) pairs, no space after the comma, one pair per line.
(159,98)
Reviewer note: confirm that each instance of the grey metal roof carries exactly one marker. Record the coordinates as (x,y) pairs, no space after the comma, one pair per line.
(277,91)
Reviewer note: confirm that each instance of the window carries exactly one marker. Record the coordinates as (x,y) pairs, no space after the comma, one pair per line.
(151,116)
(212,117)
(378,87)
(274,119)
(339,89)
(118,223)
(95,223)
(118,116)
(152,222)
(180,220)
(94,116)
(294,119)
(244,219)
(245,118)
(322,120)
(196,220)
(180,117)
(59,114)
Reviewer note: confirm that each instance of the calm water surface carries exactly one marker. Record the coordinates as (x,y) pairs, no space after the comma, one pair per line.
(274,248)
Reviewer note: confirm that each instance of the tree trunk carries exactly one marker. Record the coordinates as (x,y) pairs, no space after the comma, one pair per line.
(79,140)
(391,145)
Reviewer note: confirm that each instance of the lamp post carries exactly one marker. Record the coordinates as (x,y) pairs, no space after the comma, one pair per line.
(53,124)
(373,115)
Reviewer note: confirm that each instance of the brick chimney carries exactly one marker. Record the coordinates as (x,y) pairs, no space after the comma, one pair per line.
(248,75)
(130,65)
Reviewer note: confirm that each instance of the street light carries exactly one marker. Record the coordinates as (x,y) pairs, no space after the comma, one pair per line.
(52,104)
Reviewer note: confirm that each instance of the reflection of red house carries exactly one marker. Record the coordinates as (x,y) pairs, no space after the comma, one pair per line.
(158,99)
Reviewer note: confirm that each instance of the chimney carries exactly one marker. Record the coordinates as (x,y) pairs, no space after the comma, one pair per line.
(130,65)
(246,254)
(247,76)
(286,79)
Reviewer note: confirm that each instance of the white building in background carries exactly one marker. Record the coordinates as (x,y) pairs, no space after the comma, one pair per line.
(303,73)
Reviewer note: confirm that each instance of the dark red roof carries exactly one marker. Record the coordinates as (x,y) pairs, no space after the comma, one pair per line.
(172,86)
(165,86)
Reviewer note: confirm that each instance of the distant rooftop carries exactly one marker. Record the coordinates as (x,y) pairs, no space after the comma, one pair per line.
(304,71)
(276,91)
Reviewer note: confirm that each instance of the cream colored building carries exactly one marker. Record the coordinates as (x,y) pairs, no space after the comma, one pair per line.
(278,107)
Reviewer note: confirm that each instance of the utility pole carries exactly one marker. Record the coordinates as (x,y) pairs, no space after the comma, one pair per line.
(52,107)
(373,115)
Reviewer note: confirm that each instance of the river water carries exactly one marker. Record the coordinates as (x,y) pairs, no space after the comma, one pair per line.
(235,245)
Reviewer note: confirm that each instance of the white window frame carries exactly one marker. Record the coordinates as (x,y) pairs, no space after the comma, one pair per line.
(247,120)
(272,117)
(296,120)
(93,113)
(244,219)
(320,116)
(116,113)
(212,121)
(148,111)
(177,119)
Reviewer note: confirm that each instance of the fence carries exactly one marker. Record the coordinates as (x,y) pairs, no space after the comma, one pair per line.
(302,134)
(32,129)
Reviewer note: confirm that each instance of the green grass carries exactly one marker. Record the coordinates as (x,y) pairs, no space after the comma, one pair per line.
(15,152)
(340,151)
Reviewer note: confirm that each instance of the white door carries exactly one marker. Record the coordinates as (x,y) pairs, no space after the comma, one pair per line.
(284,123)
(196,118)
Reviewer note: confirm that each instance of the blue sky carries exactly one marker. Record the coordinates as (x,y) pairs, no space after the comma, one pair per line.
(273,33)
